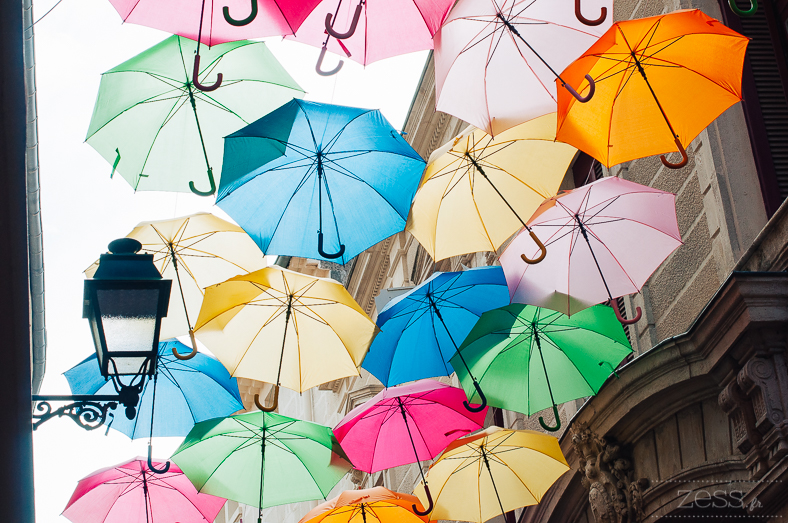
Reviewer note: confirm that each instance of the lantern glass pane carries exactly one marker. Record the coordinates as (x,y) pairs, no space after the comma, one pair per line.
(128,317)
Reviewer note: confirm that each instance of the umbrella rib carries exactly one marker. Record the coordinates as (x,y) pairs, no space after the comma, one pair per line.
(555,345)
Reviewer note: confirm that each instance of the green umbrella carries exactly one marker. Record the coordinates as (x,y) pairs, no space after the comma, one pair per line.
(528,358)
(262,459)
(162,134)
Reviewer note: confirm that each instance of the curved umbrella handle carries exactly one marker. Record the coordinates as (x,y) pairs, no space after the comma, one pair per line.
(557,421)
(319,65)
(541,247)
(193,353)
(196,80)
(739,12)
(683,161)
(429,498)
(246,21)
(353,24)
(585,20)
(324,254)
(591,90)
(623,320)
(150,463)
(273,406)
(481,395)
(209,192)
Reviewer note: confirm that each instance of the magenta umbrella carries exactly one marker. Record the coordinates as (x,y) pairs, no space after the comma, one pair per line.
(406,424)
(603,240)
(131,493)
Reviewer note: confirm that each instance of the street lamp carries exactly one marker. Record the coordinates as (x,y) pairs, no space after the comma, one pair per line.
(124,303)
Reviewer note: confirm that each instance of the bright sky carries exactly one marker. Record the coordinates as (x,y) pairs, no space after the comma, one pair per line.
(83,209)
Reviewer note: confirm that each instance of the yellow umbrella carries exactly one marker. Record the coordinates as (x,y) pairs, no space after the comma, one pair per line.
(478,190)
(492,472)
(285,328)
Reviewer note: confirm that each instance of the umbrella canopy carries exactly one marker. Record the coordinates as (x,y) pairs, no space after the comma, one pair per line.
(478,190)
(285,328)
(529,359)
(262,459)
(496,61)
(194,251)
(371,505)
(659,82)
(131,493)
(345,173)
(492,472)
(589,233)
(421,329)
(162,134)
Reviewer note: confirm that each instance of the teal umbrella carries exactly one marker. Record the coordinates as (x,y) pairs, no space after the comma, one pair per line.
(528,358)
(161,133)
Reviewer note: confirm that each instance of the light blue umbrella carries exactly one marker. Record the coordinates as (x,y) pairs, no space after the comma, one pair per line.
(319,181)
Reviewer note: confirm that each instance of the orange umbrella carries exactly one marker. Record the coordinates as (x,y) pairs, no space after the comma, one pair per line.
(659,82)
(372,505)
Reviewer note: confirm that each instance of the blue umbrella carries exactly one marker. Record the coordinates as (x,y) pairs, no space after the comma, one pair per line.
(319,181)
(421,330)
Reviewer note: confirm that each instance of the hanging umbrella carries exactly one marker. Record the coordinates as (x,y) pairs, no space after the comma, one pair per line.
(427,414)
(341,167)
(159,133)
(130,493)
(262,459)
(492,472)
(528,359)
(496,61)
(195,251)
(422,329)
(477,190)
(180,394)
(659,82)
(285,328)
(605,239)
(372,505)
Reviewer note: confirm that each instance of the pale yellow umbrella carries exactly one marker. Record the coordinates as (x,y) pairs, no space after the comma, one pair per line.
(285,328)
(478,190)
(492,472)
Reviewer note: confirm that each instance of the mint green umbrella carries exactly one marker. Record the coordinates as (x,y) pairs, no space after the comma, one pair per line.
(162,134)
(528,358)
(262,459)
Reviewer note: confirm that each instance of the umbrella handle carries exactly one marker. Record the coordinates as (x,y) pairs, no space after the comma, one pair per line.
(193,353)
(586,21)
(429,498)
(150,463)
(683,161)
(623,320)
(353,24)
(481,395)
(591,90)
(209,192)
(541,247)
(196,80)
(246,21)
(273,406)
(324,254)
(739,12)
(319,65)
(557,421)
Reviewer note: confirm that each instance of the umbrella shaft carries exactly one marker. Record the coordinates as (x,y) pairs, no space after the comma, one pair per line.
(514,30)
(196,119)
(541,356)
(262,470)
(284,337)
(492,480)
(413,444)
(457,349)
(481,171)
(596,262)
(180,286)
(661,110)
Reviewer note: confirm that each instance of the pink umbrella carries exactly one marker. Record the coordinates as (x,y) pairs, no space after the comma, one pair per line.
(603,240)
(406,424)
(131,493)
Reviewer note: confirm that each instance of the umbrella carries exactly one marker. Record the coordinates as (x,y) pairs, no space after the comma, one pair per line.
(421,330)
(591,233)
(529,359)
(427,414)
(196,251)
(188,392)
(458,207)
(262,459)
(158,131)
(341,166)
(492,472)
(285,328)
(372,505)
(495,61)
(659,82)
(130,493)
